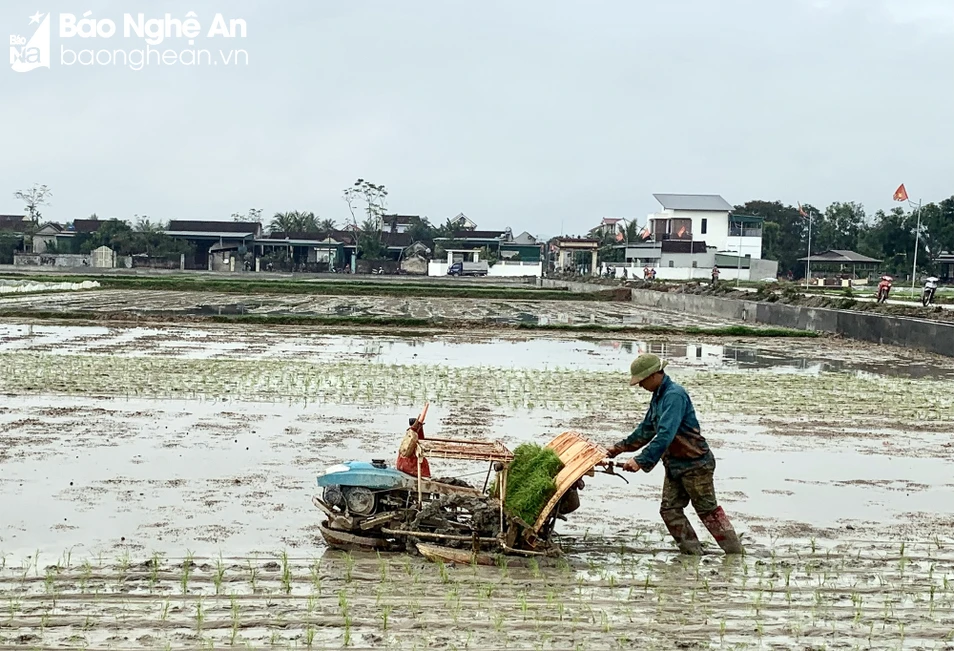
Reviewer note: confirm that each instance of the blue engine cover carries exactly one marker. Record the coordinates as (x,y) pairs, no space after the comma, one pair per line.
(362,473)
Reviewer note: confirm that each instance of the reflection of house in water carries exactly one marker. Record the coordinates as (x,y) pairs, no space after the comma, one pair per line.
(710,354)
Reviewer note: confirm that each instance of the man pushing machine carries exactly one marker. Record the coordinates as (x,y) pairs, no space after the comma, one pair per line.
(670,432)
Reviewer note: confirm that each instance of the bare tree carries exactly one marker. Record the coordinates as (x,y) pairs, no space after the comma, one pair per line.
(370,199)
(35,197)
(253,215)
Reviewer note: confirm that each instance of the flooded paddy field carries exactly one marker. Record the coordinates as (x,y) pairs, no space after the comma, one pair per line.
(158,303)
(155,487)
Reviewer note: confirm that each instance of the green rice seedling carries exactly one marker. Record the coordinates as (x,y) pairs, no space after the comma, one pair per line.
(252,575)
(235,618)
(286,573)
(199,616)
(49,580)
(219,574)
(498,619)
(309,636)
(85,575)
(347,630)
(524,606)
(164,612)
(154,572)
(442,570)
(382,568)
(385,614)
(184,577)
(316,576)
(123,563)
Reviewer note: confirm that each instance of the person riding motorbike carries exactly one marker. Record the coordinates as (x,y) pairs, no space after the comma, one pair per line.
(930,287)
(884,288)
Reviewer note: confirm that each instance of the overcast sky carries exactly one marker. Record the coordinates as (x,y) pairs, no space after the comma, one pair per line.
(541,116)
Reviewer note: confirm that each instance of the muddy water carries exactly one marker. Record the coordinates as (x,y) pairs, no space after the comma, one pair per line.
(846,510)
(103,475)
(488,310)
(461,351)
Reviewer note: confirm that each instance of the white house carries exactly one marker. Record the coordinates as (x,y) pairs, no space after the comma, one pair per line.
(706,218)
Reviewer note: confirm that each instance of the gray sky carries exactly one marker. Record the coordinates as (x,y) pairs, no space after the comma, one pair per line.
(534,115)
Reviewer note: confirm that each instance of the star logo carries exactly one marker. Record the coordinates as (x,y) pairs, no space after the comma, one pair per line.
(35,18)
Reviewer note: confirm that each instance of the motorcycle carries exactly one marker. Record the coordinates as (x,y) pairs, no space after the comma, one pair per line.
(930,287)
(884,288)
(374,507)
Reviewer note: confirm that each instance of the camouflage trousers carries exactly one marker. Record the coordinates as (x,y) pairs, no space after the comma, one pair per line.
(694,486)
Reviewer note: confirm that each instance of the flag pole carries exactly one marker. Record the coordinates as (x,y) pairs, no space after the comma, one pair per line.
(808,261)
(917,236)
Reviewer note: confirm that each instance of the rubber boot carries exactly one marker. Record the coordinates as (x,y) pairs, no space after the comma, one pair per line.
(717,522)
(681,530)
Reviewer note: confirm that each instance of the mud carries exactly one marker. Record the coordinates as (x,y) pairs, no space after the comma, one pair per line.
(123,451)
(131,303)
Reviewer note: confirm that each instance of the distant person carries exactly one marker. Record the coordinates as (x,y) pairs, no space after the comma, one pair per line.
(670,432)
(715,275)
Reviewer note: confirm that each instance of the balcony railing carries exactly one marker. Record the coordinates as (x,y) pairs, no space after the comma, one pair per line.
(735,231)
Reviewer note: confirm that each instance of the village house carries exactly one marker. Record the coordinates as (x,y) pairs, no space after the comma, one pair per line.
(692,233)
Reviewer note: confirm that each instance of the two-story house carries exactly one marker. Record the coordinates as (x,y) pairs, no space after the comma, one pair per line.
(706,218)
(694,232)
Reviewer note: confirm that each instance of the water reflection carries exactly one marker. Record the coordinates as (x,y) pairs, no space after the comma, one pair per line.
(734,356)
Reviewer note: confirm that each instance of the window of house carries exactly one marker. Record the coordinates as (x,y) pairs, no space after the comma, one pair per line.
(705,224)
(695,265)
(672,263)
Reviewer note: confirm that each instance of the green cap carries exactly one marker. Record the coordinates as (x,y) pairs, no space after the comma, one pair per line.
(644,366)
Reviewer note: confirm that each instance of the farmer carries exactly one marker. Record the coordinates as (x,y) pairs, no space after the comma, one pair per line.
(670,432)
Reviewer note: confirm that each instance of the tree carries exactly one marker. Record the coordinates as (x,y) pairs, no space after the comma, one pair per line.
(370,240)
(35,197)
(937,230)
(838,227)
(327,225)
(789,232)
(367,198)
(253,215)
(294,222)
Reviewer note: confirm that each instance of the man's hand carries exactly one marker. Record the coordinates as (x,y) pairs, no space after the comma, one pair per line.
(631,465)
(613,452)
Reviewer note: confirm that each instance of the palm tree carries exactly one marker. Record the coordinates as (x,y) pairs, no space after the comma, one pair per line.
(282,222)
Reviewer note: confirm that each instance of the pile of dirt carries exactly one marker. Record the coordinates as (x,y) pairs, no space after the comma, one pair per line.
(788,294)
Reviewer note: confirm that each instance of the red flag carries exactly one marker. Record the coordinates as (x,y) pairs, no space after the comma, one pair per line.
(801,211)
(619,236)
(901,194)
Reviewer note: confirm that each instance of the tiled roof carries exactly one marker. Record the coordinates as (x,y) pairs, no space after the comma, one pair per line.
(87,225)
(214,226)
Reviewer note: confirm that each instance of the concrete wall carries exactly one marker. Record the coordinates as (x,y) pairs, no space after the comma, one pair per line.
(702,272)
(922,334)
(52,260)
(499,269)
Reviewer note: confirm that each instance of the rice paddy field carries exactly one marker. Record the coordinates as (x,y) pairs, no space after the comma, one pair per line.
(156,484)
